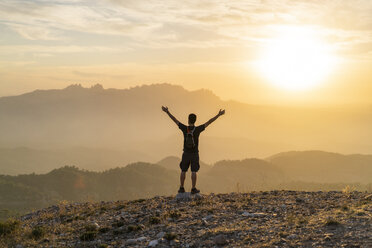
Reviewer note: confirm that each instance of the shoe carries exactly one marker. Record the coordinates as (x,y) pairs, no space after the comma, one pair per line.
(181,190)
(195,191)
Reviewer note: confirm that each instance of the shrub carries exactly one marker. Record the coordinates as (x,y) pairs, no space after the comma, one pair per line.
(118,224)
(248,239)
(283,234)
(344,208)
(332,222)
(8,227)
(197,203)
(154,220)
(103,229)
(360,213)
(210,210)
(301,220)
(174,215)
(79,217)
(90,228)
(117,232)
(120,207)
(133,228)
(348,189)
(88,236)
(170,236)
(291,219)
(37,232)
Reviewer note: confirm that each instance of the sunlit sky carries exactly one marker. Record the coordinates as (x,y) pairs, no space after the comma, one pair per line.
(198,44)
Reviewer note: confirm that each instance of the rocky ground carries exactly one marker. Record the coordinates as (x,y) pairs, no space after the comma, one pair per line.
(257,219)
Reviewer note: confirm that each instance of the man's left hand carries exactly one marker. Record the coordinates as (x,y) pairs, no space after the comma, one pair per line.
(165,109)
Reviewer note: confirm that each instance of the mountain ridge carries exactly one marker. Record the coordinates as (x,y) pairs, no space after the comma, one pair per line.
(99,118)
(318,165)
(143,180)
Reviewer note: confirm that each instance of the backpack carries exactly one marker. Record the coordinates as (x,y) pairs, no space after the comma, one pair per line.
(190,144)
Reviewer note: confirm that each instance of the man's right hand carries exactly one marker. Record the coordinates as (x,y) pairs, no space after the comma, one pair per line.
(165,109)
(221,112)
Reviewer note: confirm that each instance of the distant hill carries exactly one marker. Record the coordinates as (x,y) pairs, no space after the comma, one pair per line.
(324,167)
(243,175)
(142,180)
(172,163)
(138,180)
(24,160)
(131,120)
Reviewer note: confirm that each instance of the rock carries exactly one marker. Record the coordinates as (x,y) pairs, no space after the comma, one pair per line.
(208,217)
(174,242)
(187,196)
(247,214)
(131,241)
(368,197)
(300,200)
(183,196)
(27,217)
(292,236)
(19,246)
(140,239)
(160,235)
(220,239)
(197,196)
(153,243)
(208,243)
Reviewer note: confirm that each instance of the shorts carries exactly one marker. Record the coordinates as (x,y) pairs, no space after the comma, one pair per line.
(190,158)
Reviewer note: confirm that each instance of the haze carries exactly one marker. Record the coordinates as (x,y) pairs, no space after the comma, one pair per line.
(83,82)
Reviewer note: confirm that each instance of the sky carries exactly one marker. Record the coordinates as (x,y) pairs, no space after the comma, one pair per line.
(215,44)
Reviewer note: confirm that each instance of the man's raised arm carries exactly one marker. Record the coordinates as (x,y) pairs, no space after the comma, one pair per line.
(165,109)
(221,112)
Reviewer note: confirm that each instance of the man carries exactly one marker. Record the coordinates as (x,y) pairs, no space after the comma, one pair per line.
(190,147)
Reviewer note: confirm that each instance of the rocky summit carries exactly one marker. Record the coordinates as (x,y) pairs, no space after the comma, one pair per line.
(255,219)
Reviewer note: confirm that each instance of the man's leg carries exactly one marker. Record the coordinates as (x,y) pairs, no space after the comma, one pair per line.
(193,179)
(194,168)
(184,166)
(182,178)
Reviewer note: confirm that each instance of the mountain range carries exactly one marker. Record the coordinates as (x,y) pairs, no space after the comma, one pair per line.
(130,123)
(308,170)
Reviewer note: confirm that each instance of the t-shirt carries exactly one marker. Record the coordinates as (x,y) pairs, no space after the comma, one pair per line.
(197,132)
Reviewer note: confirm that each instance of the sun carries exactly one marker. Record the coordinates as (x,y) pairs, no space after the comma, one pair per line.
(295,60)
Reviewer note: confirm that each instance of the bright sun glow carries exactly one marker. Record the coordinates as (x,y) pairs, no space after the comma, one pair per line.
(295,60)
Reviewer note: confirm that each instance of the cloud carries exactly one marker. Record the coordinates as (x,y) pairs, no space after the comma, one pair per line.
(194,23)
(35,33)
(100,75)
(44,17)
(16,63)
(21,49)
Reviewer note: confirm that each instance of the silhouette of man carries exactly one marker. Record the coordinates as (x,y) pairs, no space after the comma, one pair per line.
(190,147)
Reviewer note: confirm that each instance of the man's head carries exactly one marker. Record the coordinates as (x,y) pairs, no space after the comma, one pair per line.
(192,119)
